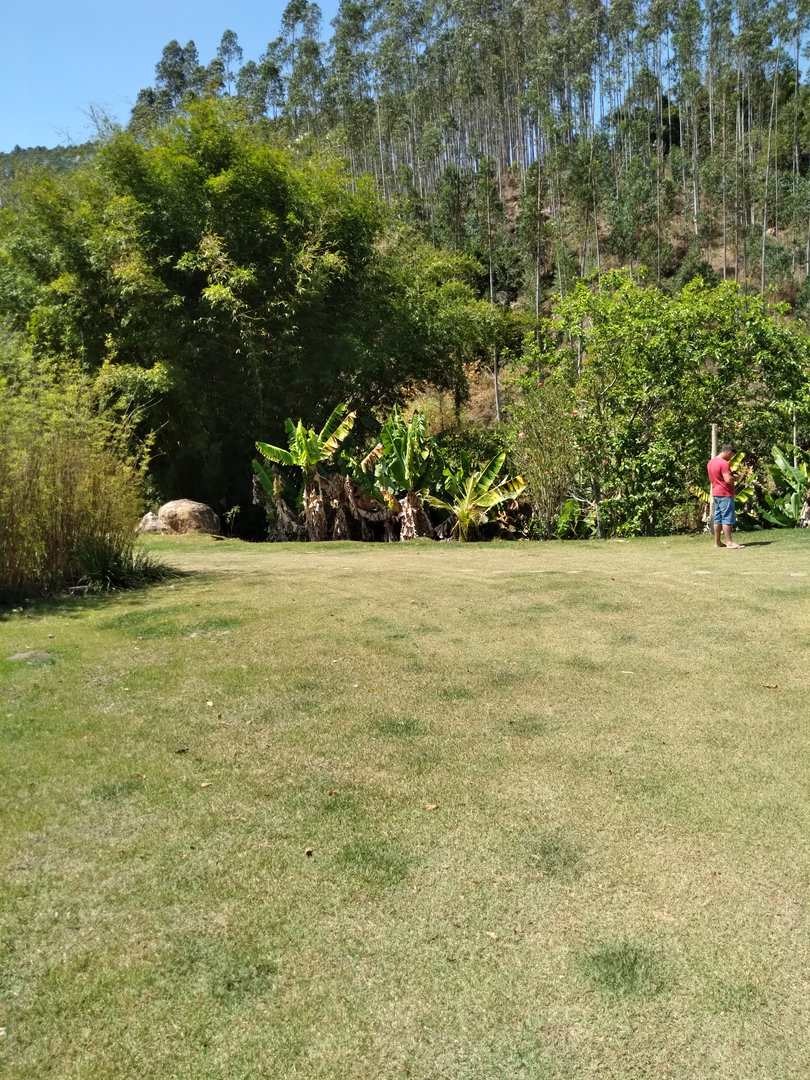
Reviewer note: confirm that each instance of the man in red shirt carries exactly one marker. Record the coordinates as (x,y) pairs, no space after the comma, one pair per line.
(722,487)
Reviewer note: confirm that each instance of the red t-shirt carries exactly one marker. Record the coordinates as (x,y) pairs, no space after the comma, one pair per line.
(717,468)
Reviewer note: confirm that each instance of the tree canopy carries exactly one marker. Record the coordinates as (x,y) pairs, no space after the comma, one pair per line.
(223,283)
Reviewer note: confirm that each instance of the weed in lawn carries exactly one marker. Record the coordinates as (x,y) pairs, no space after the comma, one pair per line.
(651,788)
(455,693)
(515,1055)
(504,678)
(746,997)
(555,855)
(624,968)
(379,863)
(116,789)
(311,707)
(212,967)
(422,759)
(165,623)
(527,726)
(303,685)
(216,626)
(581,663)
(398,727)
(534,613)
(146,623)
(604,607)
(13,728)
(342,804)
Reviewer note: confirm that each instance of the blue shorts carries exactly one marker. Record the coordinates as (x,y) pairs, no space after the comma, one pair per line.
(724,510)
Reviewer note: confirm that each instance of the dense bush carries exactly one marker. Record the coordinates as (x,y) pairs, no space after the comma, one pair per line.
(615,431)
(544,449)
(70,493)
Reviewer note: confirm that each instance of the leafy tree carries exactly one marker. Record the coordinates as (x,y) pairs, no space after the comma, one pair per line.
(178,72)
(71,486)
(227,286)
(649,374)
(544,442)
(229,54)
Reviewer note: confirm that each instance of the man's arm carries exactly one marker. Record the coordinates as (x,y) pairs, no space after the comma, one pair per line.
(728,477)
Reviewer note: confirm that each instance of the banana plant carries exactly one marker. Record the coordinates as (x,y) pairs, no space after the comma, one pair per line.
(307,449)
(475,495)
(404,464)
(791,507)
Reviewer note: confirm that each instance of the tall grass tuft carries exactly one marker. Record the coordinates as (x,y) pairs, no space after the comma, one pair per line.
(70,493)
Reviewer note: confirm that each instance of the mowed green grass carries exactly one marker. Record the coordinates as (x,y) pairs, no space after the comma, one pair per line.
(431,811)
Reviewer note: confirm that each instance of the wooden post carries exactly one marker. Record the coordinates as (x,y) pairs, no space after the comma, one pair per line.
(711,497)
(795,441)
(497,387)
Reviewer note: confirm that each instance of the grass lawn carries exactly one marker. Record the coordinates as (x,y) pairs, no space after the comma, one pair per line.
(430,811)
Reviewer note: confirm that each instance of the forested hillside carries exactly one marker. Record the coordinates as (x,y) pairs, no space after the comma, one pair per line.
(550,140)
(547,141)
(60,158)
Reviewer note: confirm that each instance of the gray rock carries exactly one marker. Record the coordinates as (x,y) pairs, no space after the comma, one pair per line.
(151,523)
(33,656)
(187,516)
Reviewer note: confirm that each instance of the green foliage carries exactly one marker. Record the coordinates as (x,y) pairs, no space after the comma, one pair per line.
(693,266)
(220,284)
(788,506)
(462,447)
(215,283)
(647,375)
(473,496)
(545,450)
(404,460)
(308,448)
(70,492)
(109,561)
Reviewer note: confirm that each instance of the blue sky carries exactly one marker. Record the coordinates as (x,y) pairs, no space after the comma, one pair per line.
(59,58)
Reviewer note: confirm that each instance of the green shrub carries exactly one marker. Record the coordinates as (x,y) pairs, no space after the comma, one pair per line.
(633,381)
(70,491)
(546,455)
(787,506)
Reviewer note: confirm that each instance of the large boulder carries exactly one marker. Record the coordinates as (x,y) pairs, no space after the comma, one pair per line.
(187,516)
(151,523)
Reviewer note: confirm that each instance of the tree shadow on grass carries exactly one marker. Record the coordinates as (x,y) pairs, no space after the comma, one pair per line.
(74,604)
